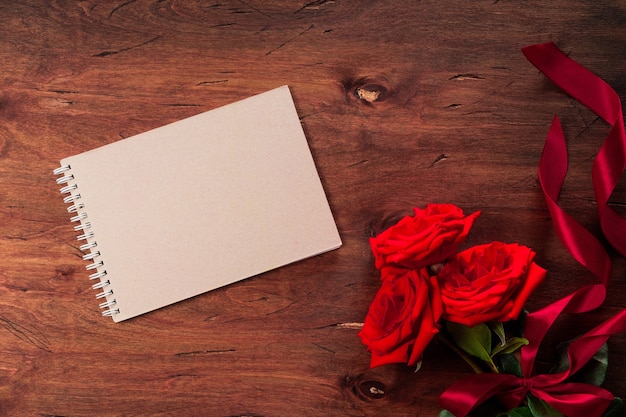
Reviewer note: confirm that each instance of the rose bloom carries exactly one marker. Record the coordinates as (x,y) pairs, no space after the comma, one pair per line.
(428,237)
(403,317)
(488,283)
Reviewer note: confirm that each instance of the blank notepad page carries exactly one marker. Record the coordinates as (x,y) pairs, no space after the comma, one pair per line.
(198,204)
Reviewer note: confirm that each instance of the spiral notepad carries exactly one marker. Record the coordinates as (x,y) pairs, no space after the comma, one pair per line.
(197,204)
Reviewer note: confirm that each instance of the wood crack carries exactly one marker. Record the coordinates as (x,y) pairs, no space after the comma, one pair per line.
(364,161)
(206,352)
(289,40)
(255,9)
(107,53)
(316,4)
(25,334)
(115,9)
(461,77)
(324,348)
(212,82)
(348,325)
(438,159)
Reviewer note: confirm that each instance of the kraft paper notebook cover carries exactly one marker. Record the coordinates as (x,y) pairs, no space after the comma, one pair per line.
(197,204)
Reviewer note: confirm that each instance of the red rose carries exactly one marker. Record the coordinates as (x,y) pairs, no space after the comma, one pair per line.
(403,317)
(429,237)
(488,283)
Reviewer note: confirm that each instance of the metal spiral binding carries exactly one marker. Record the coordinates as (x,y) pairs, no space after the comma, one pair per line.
(73,197)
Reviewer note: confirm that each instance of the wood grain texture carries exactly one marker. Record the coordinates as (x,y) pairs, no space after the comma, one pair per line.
(403,103)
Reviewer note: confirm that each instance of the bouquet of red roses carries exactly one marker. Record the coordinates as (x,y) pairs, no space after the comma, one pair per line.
(426,282)
(473,300)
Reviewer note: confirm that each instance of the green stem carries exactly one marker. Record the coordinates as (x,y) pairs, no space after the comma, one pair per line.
(467,358)
(493,366)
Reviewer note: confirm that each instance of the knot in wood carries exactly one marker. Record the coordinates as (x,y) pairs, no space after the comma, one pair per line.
(371,92)
(370,390)
(366,90)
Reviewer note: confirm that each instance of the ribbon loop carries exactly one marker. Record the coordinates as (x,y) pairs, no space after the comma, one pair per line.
(593,92)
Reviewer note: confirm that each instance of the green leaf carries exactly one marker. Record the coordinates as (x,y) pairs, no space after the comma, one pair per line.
(593,372)
(520,412)
(510,346)
(474,340)
(498,328)
(445,413)
(540,408)
(508,364)
(616,409)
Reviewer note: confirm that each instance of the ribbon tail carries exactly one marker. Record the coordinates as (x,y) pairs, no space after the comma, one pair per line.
(465,395)
(573,78)
(539,322)
(583,348)
(575,399)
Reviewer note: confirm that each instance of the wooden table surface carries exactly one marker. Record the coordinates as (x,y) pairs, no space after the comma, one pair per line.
(403,103)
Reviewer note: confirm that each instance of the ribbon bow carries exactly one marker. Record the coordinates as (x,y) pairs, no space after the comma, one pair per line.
(571,399)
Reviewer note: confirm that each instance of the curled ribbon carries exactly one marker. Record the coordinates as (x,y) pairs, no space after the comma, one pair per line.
(571,399)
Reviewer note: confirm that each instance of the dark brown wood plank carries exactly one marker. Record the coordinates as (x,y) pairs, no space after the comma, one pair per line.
(461,118)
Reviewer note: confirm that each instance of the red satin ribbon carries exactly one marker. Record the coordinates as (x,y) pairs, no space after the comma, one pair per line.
(583,246)
(571,399)
(599,97)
